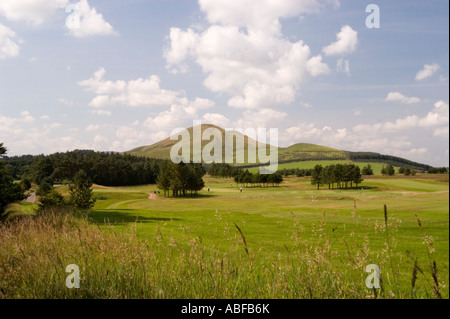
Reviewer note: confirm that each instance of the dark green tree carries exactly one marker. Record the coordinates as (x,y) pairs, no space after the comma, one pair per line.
(388,170)
(81,192)
(9,191)
(367,170)
(316,176)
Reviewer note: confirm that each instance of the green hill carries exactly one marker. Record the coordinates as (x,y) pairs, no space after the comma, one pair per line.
(295,153)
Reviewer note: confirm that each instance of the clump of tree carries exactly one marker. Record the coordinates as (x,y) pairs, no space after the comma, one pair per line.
(81,195)
(367,170)
(438,170)
(388,170)
(407,171)
(341,176)
(180,179)
(10,192)
(48,195)
(247,179)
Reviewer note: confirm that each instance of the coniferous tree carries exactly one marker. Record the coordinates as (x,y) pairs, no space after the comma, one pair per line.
(81,192)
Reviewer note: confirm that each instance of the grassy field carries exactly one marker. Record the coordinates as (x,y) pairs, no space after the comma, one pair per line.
(290,241)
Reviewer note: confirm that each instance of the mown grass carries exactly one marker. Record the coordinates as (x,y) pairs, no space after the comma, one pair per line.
(299,243)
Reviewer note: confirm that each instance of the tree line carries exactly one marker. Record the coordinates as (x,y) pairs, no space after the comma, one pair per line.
(295,172)
(222,170)
(109,169)
(387,159)
(438,170)
(341,176)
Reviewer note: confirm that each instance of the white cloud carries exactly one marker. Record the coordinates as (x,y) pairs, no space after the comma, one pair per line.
(427,71)
(441,132)
(256,69)
(65,101)
(316,67)
(52,125)
(305,105)
(216,119)
(437,118)
(262,15)
(8,48)
(92,127)
(140,92)
(91,22)
(100,112)
(99,139)
(347,40)
(244,53)
(37,12)
(396,96)
(26,117)
(343,66)
(31,11)
(261,118)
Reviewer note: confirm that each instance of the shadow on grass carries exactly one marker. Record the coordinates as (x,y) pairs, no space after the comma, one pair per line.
(121,217)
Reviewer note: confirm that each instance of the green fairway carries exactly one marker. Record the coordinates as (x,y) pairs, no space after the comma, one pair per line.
(271,218)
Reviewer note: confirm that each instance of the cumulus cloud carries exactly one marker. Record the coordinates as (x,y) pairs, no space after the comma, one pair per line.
(396,96)
(36,12)
(139,92)
(436,118)
(31,11)
(8,47)
(260,15)
(244,53)
(261,118)
(347,40)
(216,119)
(428,71)
(316,67)
(90,22)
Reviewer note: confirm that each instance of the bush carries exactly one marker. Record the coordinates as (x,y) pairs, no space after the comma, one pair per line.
(50,199)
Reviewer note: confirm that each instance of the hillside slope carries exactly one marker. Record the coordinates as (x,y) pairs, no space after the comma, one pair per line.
(294,153)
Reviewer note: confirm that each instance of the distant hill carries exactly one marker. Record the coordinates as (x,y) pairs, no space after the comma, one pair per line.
(294,153)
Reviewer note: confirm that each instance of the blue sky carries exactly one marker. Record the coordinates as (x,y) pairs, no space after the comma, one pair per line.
(132,71)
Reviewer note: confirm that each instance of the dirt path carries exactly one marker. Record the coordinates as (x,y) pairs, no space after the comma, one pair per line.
(31,198)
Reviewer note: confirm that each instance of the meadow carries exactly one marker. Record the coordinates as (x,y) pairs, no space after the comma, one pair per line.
(290,241)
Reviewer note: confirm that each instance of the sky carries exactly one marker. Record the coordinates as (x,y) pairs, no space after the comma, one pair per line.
(113,75)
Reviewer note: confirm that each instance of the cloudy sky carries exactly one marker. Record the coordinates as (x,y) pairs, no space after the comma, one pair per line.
(127,72)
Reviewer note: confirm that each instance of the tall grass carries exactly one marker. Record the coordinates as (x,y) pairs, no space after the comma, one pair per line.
(35,250)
